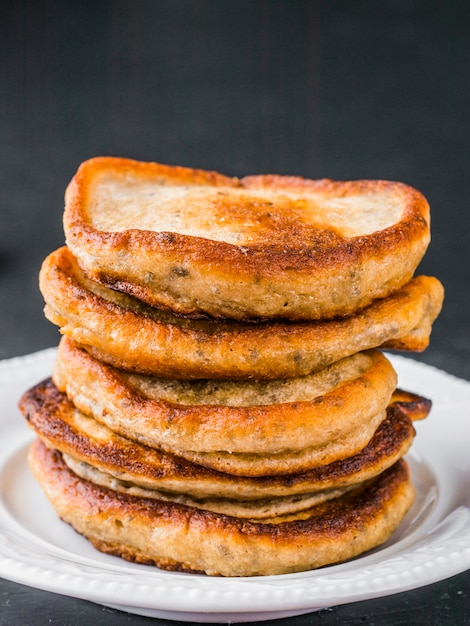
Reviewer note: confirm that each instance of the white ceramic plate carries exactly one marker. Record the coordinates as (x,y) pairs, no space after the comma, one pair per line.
(432,543)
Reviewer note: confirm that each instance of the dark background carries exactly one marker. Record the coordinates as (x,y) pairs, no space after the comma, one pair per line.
(326,88)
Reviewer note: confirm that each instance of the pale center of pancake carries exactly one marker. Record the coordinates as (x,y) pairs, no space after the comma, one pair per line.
(236,216)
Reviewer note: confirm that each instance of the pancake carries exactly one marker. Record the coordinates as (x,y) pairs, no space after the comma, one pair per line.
(262,508)
(175,537)
(263,247)
(94,452)
(124,332)
(239,427)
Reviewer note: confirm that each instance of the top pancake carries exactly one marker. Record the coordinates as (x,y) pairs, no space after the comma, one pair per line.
(200,243)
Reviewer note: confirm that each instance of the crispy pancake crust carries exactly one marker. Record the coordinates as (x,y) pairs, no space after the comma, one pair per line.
(174,536)
(121,331)
(200,243)
(129,466)
(242,427)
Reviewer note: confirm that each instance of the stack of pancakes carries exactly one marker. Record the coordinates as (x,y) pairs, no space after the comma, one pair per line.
(220,402)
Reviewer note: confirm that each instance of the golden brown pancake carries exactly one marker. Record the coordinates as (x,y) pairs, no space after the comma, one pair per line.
(200,243)
(174,536)
(99,455)
(250,428)
(128,334)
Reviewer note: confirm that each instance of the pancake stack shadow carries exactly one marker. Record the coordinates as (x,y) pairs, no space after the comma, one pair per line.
(221,402)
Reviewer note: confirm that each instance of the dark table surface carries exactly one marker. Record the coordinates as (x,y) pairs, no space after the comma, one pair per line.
(331,89)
